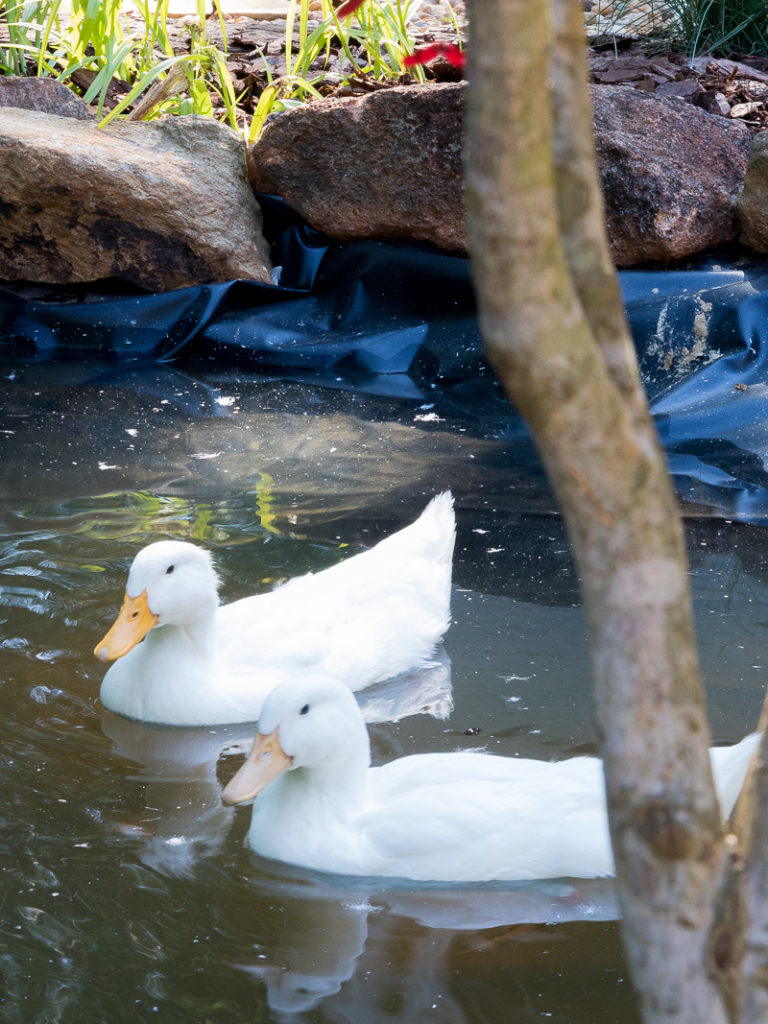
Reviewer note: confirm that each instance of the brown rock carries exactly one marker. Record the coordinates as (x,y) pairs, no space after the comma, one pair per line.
(663,200)
(753,201)
(683,89)
(45,94)
(386,165)
(163,204)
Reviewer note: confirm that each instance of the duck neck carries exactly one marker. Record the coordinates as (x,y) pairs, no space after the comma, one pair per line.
(342,777)
(195,639)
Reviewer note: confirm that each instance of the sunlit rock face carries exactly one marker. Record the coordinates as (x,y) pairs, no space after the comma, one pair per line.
(162,204)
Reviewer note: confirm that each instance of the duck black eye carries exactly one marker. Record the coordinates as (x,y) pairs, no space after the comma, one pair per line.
(304,710)
(169,570)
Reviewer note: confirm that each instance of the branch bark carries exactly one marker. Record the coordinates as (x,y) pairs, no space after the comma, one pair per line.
(579,198)
(754,1008)
(743,912)
(554,327)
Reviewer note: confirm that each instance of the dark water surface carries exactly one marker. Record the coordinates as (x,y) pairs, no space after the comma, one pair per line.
(127,891)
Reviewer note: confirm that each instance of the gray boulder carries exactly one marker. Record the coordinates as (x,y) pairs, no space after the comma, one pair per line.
(45,94)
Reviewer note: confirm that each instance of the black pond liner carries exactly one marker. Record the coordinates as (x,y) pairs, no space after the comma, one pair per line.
(400,320)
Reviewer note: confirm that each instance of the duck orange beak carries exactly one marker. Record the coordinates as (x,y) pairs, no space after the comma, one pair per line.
(265,762)
(131,625)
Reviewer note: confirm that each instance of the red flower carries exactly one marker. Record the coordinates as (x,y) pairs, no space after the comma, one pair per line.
(450,51)
(348,8)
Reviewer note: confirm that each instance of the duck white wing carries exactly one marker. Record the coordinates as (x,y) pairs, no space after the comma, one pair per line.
(729,768)
(371,617)
(475,816)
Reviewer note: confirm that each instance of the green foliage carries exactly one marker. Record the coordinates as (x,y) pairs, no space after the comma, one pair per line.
(29,27)
(378,27)
(717,27)
(93,51)
(92,42)
(721,27)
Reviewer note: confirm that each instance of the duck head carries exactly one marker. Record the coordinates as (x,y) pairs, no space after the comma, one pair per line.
(170,583)
(314,724)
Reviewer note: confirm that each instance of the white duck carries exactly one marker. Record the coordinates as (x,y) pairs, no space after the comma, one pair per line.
(369,618)
(430,817)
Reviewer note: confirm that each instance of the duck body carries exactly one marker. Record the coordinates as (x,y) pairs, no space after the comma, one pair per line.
(369,618)
(429,817)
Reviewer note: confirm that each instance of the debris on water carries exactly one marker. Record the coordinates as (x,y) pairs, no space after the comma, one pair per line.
(41,694)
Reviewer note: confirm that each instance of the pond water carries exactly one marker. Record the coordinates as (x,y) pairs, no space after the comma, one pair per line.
(128,891)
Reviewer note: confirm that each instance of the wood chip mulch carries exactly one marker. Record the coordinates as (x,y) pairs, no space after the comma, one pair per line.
(735,88)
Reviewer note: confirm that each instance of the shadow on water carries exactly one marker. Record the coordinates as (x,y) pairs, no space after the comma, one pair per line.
(128,891)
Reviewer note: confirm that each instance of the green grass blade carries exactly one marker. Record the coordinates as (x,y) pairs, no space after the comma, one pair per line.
(263,110)
(227,86)
(289,21)
(51,24)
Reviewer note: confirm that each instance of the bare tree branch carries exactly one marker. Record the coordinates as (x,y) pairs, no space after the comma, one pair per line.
(566,364)
(580,198)
(755,973)
(743,910)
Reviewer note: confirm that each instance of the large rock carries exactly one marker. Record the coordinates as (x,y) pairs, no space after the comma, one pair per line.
(386,165)
(671,174)
(753,201)
(45,94)
(163,204)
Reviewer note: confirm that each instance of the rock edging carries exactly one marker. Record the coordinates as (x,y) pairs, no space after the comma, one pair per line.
(167,204)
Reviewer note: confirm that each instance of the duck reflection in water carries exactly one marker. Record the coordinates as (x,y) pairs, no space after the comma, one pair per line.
(329,933)
(182,819)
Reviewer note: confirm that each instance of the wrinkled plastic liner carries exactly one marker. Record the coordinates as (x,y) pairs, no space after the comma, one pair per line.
(400,320)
